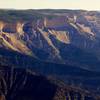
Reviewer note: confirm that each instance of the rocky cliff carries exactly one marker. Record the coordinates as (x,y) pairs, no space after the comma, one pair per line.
(57,43)
(53,35)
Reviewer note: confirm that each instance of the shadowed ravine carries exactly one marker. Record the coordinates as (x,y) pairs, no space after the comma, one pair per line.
(21,84)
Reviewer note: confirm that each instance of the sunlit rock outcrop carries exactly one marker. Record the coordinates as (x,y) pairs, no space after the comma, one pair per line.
(85,29)
(1,26)
(50,43)
(61,36)
(10,41)
(19,28)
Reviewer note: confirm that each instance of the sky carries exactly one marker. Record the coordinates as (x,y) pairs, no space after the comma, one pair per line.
(51,4)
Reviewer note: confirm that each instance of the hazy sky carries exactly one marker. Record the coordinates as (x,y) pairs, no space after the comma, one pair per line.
(61,4)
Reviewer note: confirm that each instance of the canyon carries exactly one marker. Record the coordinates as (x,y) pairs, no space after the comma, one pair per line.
(64,44)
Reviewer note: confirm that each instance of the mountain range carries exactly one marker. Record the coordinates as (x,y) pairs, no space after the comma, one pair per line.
(64,44)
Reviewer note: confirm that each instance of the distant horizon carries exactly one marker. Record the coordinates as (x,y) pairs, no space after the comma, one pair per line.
(48,9)
(89,5)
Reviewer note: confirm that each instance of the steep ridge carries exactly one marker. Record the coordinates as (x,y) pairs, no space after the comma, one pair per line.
(60,35)
(10,40)
(55,36)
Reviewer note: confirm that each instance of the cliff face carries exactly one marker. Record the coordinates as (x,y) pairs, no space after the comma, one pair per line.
(9,33)
(62,44)
(23,37)
(50,36)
